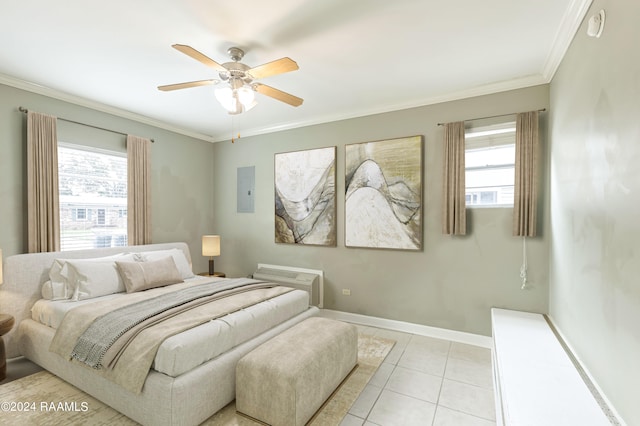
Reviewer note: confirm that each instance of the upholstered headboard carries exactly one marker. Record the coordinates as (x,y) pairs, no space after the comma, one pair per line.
(24,275)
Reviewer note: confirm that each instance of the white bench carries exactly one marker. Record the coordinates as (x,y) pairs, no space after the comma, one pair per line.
(287,379)
(535,380)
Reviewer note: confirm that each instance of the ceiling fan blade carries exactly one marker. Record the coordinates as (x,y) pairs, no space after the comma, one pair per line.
(278,66)
(190,51)
(278,94)
(178,86)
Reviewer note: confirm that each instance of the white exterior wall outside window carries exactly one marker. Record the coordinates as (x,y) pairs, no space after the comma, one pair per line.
(93,197)
(490,165)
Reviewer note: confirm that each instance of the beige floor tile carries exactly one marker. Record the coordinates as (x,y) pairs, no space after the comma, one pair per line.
(401,338)
(429,345)
(470,352)
(407,384)
(381,376)
(473,372)
(365,401)
(350,420)
(448,417)
(415,384)
(394,409)
(467,398)
(424,361)
(394,356)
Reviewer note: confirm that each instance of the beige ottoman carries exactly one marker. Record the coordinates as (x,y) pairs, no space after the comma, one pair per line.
(285,380)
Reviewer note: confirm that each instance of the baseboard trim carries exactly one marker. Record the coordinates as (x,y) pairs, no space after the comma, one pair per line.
(407,327)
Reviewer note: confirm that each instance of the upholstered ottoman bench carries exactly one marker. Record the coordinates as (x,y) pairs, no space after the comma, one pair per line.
(287,379)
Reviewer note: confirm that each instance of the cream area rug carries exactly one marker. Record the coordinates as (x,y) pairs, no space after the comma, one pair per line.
(61,403)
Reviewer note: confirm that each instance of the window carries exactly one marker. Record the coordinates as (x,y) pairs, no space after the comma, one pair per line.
(490,153)
(80,214)
(93,197)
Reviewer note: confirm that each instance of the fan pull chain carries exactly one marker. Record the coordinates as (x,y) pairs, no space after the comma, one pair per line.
(233,140)
(523,268)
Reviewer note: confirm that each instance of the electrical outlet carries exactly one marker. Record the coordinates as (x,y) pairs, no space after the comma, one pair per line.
(346,292)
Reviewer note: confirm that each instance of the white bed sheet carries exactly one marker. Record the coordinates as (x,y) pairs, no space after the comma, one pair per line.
(189,349)
(51,312)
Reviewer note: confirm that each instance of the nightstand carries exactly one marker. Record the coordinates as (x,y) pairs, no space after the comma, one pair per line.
(215,274)
(6,324)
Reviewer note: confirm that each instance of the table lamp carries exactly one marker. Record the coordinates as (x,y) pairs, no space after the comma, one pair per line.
(211,247)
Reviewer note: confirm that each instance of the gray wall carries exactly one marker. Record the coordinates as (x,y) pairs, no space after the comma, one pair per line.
(595,203)
(452,283)
(182,174)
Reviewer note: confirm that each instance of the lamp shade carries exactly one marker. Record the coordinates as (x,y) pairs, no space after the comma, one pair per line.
(245,96)
(211,245)
(224,95)
(236,100)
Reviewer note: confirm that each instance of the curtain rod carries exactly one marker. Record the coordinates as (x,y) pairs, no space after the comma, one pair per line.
(21,109)
(492,116)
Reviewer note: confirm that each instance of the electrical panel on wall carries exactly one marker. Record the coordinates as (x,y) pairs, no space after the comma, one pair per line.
(246,189)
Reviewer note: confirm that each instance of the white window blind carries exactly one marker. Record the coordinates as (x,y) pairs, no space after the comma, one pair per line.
(490,165)
(93,197)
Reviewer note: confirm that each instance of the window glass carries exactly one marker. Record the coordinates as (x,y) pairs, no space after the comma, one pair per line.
(490,165)
(93,197)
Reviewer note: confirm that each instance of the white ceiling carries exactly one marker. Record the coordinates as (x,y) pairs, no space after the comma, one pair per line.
(356,57)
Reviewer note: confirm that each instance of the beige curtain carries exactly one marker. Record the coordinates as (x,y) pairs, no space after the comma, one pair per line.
(525,191)
(454,221)
(43,205)
(138,190)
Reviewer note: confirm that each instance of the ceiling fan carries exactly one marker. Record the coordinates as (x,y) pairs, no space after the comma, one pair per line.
(238,96)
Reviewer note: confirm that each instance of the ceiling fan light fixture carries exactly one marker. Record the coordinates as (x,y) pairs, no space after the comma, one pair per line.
(245,96)
(238,94)
(236,101)
(224,95)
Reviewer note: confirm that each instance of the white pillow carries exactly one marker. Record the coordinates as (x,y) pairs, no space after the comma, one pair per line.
(94,277)
(178,256)
(59,286)
(63,288)
(138,276)
(55,290)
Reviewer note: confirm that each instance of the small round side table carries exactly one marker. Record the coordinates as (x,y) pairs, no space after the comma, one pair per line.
(6,324)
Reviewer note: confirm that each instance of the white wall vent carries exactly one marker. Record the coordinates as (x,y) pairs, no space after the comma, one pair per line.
(310,280)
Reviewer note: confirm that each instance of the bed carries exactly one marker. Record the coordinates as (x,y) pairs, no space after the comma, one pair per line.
(193,373)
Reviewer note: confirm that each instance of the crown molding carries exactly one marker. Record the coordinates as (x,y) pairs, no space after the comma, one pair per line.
(488,89)
(83,102)
(571,21)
